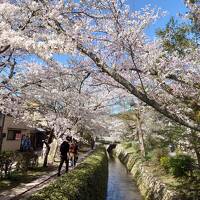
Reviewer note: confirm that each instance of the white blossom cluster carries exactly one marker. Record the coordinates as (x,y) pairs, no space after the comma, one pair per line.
(104,39)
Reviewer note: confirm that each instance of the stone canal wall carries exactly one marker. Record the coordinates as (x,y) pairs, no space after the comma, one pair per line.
(88,181)
(149,185)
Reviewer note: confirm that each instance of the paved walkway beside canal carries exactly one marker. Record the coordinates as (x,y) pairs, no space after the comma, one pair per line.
(24,190)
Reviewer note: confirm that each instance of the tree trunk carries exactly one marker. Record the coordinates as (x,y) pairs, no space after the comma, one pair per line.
(143,150)
(46,155)
(1,130)
(47,142)
(55,153)
(1,140)
(140,134)
(198,156)
(195,141)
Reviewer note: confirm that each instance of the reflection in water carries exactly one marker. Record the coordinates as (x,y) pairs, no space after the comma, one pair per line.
(120,183)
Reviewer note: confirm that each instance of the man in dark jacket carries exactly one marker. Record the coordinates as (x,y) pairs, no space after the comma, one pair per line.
(64,150)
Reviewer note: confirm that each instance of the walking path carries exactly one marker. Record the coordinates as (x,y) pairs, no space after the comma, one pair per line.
(25,190)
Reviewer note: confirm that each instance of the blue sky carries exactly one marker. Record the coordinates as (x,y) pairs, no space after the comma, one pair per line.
(173,7)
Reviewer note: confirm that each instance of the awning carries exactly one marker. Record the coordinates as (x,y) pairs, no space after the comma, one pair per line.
(40,129)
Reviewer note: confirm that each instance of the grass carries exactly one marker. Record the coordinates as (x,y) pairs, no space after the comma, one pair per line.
(17,178)
(186,185)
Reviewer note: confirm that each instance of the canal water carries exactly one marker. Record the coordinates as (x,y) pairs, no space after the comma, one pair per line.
(120,182)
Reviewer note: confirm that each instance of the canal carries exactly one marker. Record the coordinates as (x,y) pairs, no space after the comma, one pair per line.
(121,185)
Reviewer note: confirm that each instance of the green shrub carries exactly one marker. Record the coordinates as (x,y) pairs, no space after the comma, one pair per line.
(136,146)
(23,160)
(88,181)
(157,154)
(165,163)
(152,142)
(178,166)
(26,160)
(7,159)
(127,145)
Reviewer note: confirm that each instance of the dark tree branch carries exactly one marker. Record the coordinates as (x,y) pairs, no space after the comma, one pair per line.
(87,76)
(4,48)
(137,70)
(132,89)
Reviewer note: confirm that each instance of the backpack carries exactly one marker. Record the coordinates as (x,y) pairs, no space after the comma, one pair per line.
(72,148)
(64,148)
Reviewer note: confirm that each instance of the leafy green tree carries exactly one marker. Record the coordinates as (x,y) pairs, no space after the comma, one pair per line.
(176,37)
(194,16)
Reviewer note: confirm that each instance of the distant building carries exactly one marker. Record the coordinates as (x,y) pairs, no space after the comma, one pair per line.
(123,104)
(12,132)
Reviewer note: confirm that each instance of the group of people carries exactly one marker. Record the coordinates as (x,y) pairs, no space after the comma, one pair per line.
(25,144)
(68,153)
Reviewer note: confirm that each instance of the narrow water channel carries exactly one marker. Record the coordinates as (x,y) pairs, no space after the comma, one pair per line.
(120,183)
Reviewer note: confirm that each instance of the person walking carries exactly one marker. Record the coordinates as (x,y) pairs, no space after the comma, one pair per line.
(76,148)
(64,150)
(92,143)
(72,151)
(22,143)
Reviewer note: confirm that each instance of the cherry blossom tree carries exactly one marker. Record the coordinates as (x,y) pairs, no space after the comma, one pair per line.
(106,42)
(58,99)
(109,36)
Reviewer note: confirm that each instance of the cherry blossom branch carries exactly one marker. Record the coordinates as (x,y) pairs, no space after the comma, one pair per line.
(134,91)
